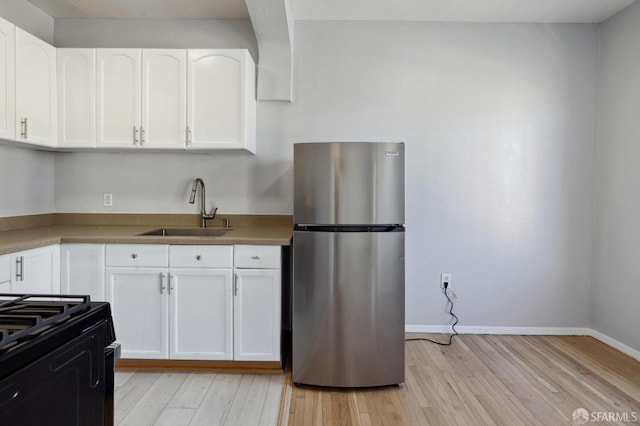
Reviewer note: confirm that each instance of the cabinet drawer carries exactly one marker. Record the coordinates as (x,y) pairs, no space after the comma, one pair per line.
(201,256)
(5,269)
(137,255)
(257,257)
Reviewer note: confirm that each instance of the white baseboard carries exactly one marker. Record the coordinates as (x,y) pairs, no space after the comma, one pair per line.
(547,331)
(615,344)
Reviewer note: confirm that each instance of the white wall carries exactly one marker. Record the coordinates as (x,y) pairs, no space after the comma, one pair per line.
(499,126)
(235,182)
(26,177)
(616,290)
(26,182)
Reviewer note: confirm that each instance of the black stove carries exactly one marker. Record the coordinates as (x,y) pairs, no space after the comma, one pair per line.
(56,360)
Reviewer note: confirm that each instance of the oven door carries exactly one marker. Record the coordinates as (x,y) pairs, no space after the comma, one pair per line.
(65,387)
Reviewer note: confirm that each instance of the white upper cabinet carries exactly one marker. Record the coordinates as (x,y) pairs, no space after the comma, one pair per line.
(141,98)
(200,99)
(221,111)
(119,75)
(7,80)
(76,97)
(36,105)
(164,98)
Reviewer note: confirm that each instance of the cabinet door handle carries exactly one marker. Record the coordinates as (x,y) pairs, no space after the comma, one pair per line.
(142,135)
(188,136)
(171,282)
(134,255)
(198,257)
(135,135)
(20,268)
(235,285)
(23,128)
(163,278)
(255,257)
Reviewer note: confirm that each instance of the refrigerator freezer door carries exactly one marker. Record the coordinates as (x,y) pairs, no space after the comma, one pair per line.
(348,183)
(348,310)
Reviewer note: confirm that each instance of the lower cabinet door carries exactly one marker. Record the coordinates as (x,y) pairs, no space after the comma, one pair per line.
(82,270)
(201,306)
(139,300)
(36,271)
(257,308)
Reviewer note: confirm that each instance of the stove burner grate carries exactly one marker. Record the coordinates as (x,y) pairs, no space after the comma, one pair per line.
(22,317)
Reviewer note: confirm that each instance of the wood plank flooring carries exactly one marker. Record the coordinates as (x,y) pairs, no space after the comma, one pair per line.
(484,379)
(481,379)
(176,398)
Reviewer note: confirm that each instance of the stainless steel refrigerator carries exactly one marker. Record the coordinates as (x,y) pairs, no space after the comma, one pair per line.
(348,264)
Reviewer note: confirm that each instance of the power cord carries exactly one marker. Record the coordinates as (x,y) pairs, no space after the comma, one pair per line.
(453,326)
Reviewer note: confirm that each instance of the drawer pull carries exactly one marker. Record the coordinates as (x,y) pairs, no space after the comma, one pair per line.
(134,255)
(255,257)
(198,257)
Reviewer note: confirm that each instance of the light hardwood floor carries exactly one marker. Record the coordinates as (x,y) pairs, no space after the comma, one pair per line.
(485,379)
(174,399)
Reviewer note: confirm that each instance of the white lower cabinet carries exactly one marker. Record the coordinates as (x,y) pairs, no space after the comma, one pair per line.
(257,304)
(201,314)
(201,302)
(256,315)
(137,289)
(82,270)
(180,311)
(189,303)
(140,309)
(36,271)
(5,273)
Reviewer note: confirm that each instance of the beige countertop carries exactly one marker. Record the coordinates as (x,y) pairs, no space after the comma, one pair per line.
(246,229)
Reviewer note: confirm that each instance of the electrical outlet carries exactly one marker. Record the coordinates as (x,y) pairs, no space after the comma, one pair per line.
(445,278)
(108,199)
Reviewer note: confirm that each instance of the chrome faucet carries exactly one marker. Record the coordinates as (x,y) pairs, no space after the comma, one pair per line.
(203,212)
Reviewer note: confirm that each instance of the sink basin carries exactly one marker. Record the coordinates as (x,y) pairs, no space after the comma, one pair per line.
(188,232)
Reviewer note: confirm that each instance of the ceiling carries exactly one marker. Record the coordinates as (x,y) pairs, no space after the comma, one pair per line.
(543,11)
(145,9)
(534,11)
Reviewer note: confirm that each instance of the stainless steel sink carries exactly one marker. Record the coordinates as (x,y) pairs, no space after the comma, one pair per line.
(188,232)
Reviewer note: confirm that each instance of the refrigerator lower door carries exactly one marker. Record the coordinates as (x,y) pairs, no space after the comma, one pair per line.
(348,308)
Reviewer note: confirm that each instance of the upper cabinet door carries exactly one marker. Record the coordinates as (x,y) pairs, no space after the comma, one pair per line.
(221,111)
(119,91)
(7,80)
(164,98)
(36,105)
(77,97)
